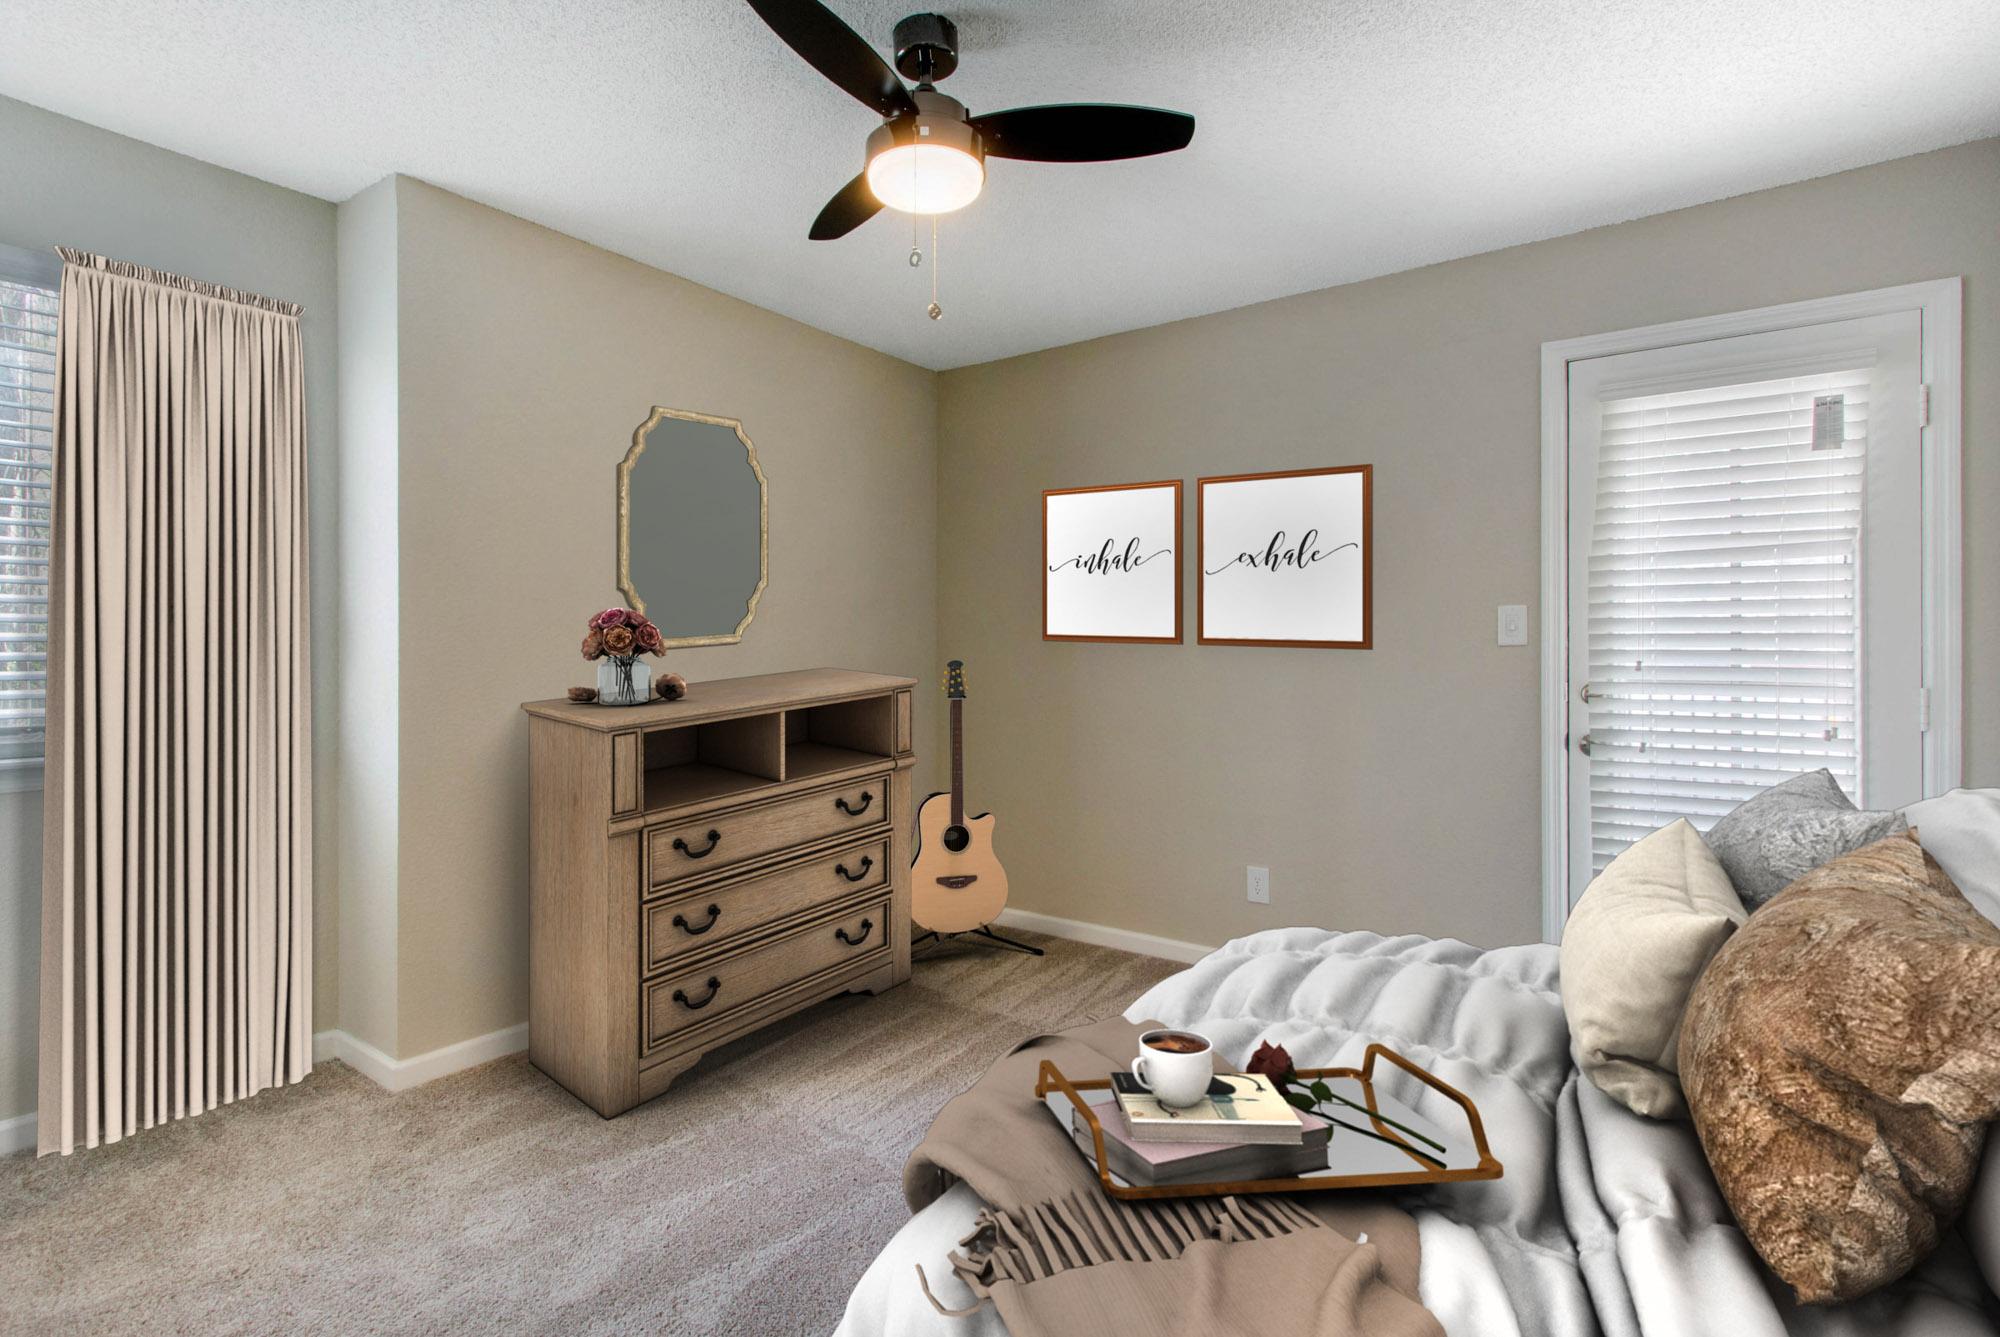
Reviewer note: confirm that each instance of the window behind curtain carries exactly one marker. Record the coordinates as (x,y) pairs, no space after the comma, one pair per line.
(27,422)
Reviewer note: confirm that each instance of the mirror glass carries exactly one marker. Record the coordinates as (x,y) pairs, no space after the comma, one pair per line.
(693,543)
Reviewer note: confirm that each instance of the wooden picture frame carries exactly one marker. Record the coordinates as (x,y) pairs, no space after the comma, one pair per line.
(1309,530)
(1111,563)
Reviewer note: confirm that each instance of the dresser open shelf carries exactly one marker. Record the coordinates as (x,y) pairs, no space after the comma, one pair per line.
(694,762)
(803,761)
(687,763)
(702,867)
(839,736)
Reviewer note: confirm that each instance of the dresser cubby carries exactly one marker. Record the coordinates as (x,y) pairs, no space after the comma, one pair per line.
(689,763)
(824,740)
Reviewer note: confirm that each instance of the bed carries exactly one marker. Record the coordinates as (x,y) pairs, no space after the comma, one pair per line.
(1605,1221)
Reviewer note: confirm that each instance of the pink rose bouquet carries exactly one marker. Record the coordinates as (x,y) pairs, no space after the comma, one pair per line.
(622,633)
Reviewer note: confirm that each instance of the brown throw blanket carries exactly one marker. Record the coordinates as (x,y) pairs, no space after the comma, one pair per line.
(1055,1255)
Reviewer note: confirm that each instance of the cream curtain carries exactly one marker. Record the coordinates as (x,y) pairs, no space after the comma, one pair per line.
(177,866)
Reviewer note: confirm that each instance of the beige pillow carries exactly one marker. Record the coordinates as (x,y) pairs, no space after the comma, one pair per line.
(1842,1058)
(1636,942)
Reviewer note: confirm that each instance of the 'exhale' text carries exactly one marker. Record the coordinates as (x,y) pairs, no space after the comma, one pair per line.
(1275,556)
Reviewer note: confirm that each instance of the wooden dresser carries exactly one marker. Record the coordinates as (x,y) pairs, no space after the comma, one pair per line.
(702,867)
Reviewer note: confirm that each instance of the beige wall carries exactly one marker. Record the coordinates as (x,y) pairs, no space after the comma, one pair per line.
(1393,789)
(526,359)
(20,949)
(370,667)
(66,183)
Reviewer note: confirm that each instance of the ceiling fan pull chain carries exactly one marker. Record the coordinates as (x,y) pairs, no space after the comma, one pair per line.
(916,253)
(935,309)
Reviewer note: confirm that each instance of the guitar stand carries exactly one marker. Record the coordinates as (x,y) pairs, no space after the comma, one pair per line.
(983,931)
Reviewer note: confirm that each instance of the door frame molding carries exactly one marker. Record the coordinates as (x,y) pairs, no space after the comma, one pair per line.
(1941,303)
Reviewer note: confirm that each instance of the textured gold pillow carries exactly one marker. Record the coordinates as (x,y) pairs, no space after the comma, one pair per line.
(1840,1058)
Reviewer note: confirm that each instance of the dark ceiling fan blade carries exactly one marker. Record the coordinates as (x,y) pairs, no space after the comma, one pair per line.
(831,47)
(1082,132)
(846,211)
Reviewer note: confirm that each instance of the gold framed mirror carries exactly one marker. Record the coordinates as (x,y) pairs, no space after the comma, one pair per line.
(694,527)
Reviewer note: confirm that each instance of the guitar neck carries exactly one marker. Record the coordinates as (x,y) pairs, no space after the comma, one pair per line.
(957,763)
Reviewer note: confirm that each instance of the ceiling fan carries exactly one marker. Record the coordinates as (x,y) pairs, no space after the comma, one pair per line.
(928,156)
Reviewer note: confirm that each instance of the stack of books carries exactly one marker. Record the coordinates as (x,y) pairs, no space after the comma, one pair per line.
(1244,1130)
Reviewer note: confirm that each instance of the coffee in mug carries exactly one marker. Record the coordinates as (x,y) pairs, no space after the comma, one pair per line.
(1176,1066)
(1175,1043)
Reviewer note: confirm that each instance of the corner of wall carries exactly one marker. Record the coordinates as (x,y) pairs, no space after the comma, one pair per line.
(369,726)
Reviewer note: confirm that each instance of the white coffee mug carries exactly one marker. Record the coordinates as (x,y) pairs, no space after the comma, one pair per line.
(1176,1079)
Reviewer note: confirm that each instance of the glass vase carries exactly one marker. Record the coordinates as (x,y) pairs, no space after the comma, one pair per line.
(623,680)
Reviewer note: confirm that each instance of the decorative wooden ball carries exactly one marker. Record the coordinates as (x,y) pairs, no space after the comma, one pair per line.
(582,694)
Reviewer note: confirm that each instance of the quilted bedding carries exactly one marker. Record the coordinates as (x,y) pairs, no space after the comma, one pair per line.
(1605,1222)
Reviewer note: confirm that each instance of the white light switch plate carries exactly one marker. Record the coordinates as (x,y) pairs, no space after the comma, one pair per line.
(1513,624)
(1260,884)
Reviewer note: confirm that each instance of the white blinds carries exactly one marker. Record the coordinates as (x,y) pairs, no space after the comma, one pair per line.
(1724,594)
(27,423)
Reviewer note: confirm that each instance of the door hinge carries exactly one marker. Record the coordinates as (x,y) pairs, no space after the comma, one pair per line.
(1923,406)
(1923,710)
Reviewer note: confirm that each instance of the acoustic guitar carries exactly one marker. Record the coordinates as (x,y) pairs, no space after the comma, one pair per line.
(956,882)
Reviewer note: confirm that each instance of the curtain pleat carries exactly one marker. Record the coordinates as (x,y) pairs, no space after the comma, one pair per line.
(177,866)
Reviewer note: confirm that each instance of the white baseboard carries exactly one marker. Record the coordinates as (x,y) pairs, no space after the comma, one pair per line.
(400,1074)
(17,1134)
(1099,935)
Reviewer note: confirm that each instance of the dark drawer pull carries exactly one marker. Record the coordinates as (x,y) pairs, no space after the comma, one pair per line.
(680,922)
(867,862)
(866,925)
(714,988)
(867,797)
(714,839)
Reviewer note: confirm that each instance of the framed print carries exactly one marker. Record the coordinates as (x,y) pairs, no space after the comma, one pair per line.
(1287,558)
(1111,566)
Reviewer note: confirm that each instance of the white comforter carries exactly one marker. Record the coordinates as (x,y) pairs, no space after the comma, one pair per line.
(1603,1222)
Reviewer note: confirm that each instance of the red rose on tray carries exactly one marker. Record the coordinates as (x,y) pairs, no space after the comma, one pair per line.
(1270,1061)
(1273,1062)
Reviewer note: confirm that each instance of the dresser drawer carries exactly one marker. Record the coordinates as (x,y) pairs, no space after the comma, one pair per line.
(706,919)
(700,846)
(679,1001)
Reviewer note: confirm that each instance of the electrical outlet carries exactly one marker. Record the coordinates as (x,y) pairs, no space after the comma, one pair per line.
(1513,624)
(1260,885)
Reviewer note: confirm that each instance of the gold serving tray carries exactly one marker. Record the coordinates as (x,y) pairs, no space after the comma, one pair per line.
(1354,1159)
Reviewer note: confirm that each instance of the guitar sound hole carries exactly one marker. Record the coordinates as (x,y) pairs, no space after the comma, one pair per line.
(956,838)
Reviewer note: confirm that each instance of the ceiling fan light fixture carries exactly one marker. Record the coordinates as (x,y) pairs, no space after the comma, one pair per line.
(925,178)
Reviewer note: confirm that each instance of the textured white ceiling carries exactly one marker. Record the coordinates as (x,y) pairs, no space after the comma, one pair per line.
(1335,141)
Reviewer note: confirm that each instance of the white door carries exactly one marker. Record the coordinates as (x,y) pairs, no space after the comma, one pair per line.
(1746,576)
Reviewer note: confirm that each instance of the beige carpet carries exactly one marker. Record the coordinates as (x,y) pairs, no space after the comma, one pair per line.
(747,1200)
